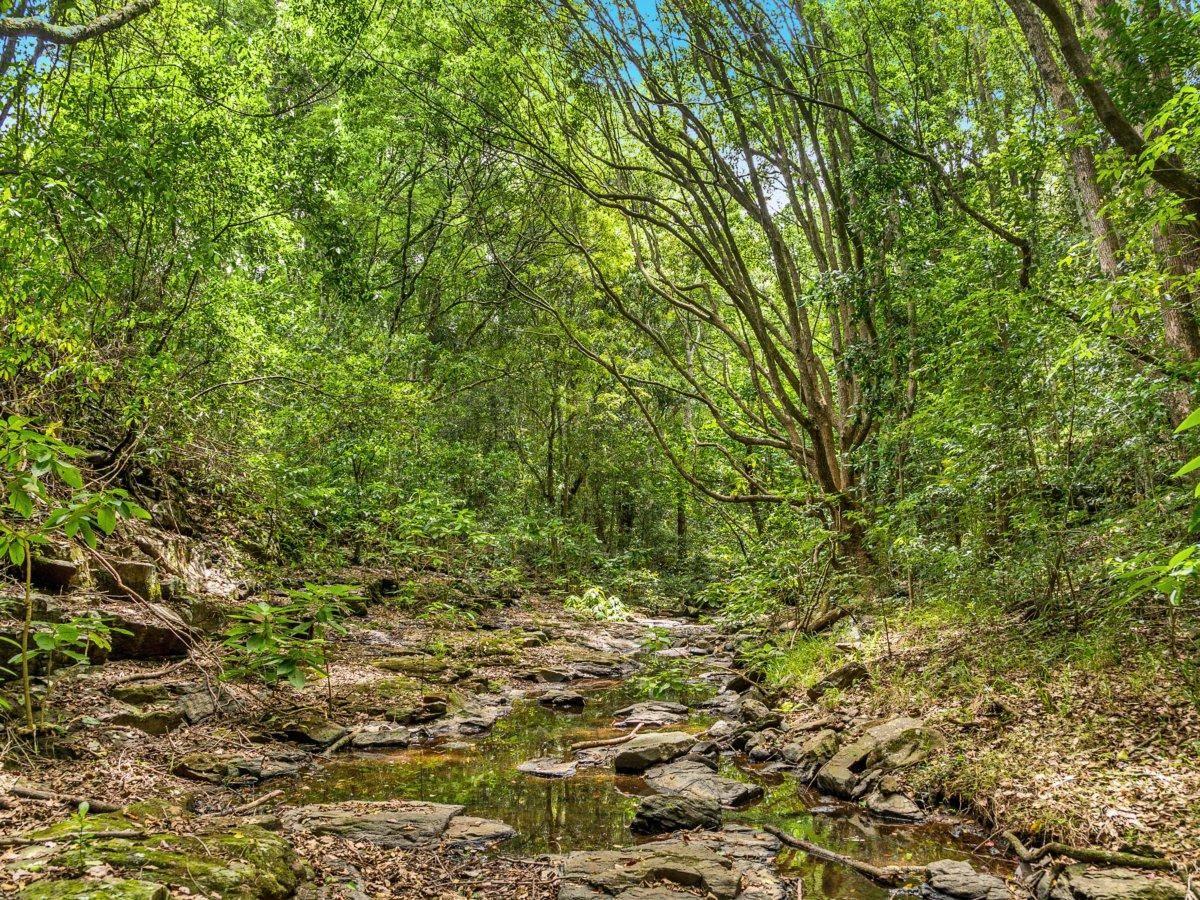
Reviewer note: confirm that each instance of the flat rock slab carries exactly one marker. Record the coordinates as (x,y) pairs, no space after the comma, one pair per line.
(655,712)
(693,778)
(646,750)
(549,767)
(381,735)
(400,824)
(562,699)
(674,864)
(659,814)
(1080,882)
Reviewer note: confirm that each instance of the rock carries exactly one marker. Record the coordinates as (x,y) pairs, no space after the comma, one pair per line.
(660,814)
(154,632)
(381,734)
(212,859)
(550,676)
(652,713)
(893,805)
(430,708)
(903,746)
(559,699)
(139,693)
(607,873)
(763,745)
(548,767)
(1080,882)
(464,830)
(140,577)
(884,743)
(841,678)
(534,638)
(754,853)
(424,667)
(197,706)
(57,575)
(400,824)
(690,778)
(228,768)
(313,729)
(707,753)
(810,753)
(739,684)
(957,879)
(646,750)
(157,719)
(755,712)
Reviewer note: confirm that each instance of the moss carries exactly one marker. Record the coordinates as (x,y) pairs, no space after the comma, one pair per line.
(105,889)
(240,862)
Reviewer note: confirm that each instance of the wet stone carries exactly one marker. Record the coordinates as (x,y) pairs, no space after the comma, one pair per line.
(646,750)
(560,699)
(692,778)
(956,879)
(549,767)
(651,713)
(660,814)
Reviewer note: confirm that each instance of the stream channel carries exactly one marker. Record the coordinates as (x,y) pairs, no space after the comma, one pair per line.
(592,809)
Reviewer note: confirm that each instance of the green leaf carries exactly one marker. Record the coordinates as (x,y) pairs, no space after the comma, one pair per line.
(1190,466)
(70,475)
(106,519)
(16,552)
(89,536)
(1190,422)
(20,501)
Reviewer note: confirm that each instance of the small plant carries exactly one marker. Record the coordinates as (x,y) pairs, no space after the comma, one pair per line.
(30,515)
(288,642)
(596,603)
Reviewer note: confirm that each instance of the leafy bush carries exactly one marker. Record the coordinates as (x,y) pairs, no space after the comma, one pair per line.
(596,603)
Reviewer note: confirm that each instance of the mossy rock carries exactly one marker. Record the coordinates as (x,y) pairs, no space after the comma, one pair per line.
(232,861)
(102,889)
(424,667)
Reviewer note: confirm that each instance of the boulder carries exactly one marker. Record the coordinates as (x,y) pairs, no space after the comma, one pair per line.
(739,684)
(94,889)
(653,713)
(755,712)
(380,735)
(841,678)
(1081,882)
(691,778)
(956,879)
(230,769)
(311,729)
(659,814)
(550,676)
(464,830)
(154,631)
(161,718)
(560,699)
(608,873)
(646,750)
(548,767)
(876,747)
(56,575)
(811,752)
(136,575)
(892,805)
(430,708)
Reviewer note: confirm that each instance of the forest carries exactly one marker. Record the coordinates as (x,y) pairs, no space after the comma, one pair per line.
(582,449)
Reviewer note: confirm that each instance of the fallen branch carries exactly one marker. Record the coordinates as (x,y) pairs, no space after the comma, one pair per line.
(128,834)
(253,804)
(340,742)
(31,793)
(148,676)
(607,742)
(1091,855)
(888,876)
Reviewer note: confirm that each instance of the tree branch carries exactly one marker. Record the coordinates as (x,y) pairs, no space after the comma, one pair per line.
(29,26)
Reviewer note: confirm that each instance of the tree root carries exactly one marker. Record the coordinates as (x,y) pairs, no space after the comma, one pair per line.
(148,676)
(1091,855)
(888,876)
(606,742)
(339,743)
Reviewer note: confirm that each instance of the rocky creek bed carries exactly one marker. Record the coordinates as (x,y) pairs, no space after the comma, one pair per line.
(554,777)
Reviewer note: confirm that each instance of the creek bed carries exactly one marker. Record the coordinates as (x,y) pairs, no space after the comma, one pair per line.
(592,809)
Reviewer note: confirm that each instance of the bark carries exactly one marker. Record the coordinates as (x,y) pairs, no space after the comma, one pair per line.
(1082,161)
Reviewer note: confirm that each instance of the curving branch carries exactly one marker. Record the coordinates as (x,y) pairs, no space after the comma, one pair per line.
(30,26)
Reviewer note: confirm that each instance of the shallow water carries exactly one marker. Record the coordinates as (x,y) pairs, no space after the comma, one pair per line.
(593,809)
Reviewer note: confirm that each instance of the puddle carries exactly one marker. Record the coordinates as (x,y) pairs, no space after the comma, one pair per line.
(593,809)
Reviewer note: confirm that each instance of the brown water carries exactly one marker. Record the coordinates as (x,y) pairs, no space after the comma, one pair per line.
(593,809)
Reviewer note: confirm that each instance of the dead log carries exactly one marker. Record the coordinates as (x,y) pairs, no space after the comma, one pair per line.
(887,876)
(28,792)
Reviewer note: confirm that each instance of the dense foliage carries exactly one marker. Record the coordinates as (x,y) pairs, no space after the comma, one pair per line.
(789,308)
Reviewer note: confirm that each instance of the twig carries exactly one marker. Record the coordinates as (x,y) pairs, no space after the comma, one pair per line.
(607,742)
(253,804)
(1092,855)
(147,676)
(888,876)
